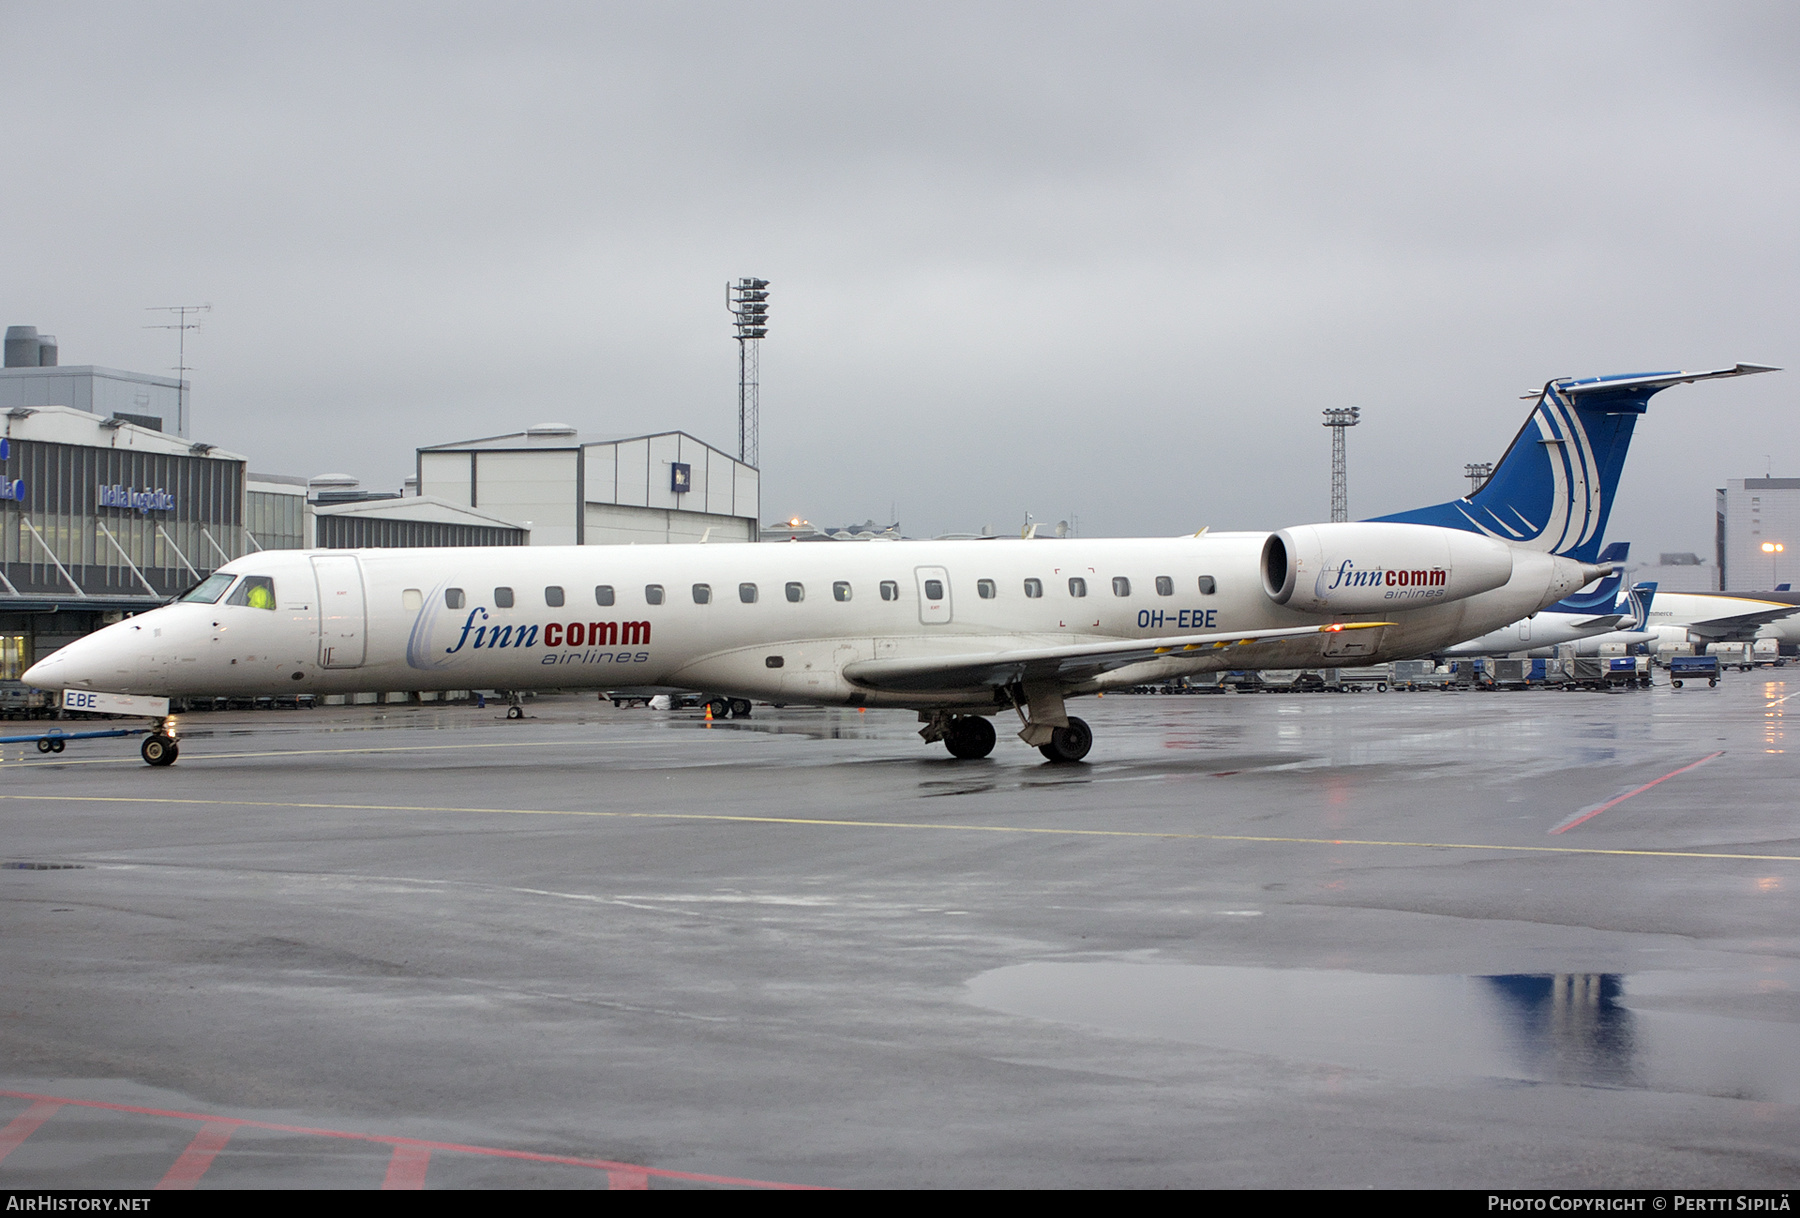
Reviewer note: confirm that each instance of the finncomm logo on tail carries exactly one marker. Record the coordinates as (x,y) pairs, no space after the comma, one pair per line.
(1553,489)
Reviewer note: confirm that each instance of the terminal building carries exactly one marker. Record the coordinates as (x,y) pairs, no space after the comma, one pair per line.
(100,517)
(1754,513)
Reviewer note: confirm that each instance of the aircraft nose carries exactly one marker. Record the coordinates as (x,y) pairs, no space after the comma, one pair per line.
(44,674)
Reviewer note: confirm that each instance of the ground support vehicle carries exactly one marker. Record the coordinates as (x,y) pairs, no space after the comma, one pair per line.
(1692,668)
(1628,671)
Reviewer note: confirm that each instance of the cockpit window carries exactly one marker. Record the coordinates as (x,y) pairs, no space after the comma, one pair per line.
(256,591)
(209,590)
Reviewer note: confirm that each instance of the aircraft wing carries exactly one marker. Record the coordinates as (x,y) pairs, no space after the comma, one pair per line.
(1075,661)
(1740,627)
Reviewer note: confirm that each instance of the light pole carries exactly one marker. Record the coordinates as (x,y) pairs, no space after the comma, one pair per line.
(1773,550)
(748,302)
(1477,472)
(1337,420)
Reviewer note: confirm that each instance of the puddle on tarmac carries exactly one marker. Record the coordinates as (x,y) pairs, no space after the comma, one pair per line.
(1578,1028)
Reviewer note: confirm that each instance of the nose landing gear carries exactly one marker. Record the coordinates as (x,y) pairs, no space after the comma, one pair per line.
(159,749)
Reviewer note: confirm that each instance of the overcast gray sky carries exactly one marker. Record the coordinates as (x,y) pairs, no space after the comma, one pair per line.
(1108,260)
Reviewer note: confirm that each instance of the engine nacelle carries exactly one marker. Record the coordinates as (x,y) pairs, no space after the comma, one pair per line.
(1369,567)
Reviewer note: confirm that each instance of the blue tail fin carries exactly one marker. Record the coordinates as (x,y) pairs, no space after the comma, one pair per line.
(1553,489)
(1640,597)
(1605,595)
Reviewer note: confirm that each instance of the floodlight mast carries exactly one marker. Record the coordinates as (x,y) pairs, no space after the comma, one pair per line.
(747,300)
(1337,420)
(1478,472)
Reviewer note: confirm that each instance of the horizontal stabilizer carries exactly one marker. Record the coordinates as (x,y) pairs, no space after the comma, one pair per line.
(1070,662)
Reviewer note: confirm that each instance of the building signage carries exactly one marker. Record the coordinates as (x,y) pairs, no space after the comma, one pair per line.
(10,488)
(145,501)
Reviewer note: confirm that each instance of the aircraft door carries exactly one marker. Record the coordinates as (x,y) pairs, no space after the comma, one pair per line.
(934,595)
(343,612)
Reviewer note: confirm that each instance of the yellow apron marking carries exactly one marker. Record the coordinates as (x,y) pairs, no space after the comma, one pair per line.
(882,824)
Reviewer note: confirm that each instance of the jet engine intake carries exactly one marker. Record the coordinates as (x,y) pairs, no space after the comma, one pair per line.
(1371,567)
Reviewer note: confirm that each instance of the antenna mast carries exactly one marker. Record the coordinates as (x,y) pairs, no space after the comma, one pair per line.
(181,325)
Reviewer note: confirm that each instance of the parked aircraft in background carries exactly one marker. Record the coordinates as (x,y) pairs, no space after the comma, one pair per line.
(1601,610)
(959,631)
(1725,617)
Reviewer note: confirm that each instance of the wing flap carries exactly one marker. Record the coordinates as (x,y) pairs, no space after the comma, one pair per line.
(1071,661)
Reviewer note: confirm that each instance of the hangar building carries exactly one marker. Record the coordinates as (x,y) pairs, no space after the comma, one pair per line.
(667,487)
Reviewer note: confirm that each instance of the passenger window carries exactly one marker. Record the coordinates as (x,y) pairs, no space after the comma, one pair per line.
(1206,585)
(212,588)
(703,594)
(984,588)
(453,598)
(653,594)
(1121,586)
(840,591)
(747,593)
(796,593)
(890,591)
(1165,586)
(553,596)
(1078,586)
(1034,588)
(503,598)
(603,594)
(257,591)
(934,589)
(412,600)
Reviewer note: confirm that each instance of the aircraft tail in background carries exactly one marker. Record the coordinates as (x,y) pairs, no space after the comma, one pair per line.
(1554,487)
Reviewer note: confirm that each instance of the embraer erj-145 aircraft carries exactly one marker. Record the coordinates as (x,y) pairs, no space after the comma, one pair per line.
(959,631)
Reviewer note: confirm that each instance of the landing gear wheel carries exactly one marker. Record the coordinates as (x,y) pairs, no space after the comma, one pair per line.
(969,737)
(1069,744)
(718,708)
(515,712)
(159,750)
(740,708)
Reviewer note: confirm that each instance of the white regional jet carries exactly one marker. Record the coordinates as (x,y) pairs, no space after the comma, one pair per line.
(959,631)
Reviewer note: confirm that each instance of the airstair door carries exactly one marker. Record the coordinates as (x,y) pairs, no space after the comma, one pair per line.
(343,611)
(934,595)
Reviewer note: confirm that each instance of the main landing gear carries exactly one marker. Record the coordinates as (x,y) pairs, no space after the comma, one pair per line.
(1068,744)
(515,705)
(159,747)
(1048,728)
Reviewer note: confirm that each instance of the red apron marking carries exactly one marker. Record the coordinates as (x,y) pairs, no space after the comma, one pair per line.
(1587,814)
(25,1124)
(406,1170)
(199,1155)
(616,1180)
(232,1123)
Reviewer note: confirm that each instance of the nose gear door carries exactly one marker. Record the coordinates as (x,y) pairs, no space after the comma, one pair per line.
(343,611)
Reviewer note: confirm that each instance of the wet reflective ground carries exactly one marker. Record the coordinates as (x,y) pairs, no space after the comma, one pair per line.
(1319,940)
